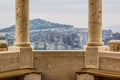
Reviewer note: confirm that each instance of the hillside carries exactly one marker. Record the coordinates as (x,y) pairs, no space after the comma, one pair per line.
(115,36)
(46,35)
(38,24)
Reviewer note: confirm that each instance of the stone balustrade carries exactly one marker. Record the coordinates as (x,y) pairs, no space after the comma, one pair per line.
(114,45)
(3,45)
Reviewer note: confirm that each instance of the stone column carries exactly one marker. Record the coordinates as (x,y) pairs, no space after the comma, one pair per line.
(94,45)
(95,23)
(22,43)
(22,23)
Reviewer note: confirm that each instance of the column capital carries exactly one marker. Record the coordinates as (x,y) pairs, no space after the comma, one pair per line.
(92,56)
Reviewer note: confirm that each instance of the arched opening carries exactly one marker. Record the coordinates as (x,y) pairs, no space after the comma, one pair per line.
(72,14)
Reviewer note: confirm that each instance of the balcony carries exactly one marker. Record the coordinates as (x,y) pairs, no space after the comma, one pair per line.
(22,62)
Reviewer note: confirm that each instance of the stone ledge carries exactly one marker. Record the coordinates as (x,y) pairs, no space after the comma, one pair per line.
(98,72)
(16,73)
(59,52)
(9,52)
(109,54)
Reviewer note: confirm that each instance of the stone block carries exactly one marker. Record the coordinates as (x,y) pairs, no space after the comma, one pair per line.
(25,56)
(9,61)
(59,65)
(85,77)
(32,76)
(92,56)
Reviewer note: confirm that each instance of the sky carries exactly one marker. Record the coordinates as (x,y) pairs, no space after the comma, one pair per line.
(72,12)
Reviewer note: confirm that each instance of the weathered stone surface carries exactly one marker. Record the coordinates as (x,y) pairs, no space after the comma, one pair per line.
(110,61)
(95,23)
(85,77)
(109,54)
(22,23)
(110,64)
(32,76)
(92,56)
(3,45)
(9,61)
(114,45)
(3,49)
(25,56)
(59,65)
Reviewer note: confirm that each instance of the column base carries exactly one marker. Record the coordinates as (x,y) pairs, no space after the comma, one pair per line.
(25,56)
(92,56)
(23,44)
(95,43)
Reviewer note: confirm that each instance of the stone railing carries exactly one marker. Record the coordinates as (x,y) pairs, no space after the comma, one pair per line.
(3,45)
(114,45)
(9,60)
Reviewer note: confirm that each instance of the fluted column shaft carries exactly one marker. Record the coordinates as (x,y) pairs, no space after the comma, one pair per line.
(95,23)
(22,23)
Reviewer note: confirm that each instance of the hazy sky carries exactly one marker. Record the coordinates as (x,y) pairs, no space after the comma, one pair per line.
(73,12)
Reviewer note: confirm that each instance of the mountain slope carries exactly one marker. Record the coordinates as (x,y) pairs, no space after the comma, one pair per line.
(115,36)
(38,24)
(53,36)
